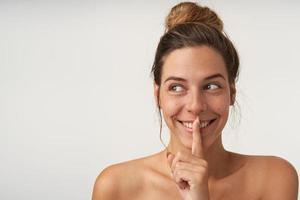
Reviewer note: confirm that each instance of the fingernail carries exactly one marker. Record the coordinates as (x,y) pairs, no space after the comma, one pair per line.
(168,153)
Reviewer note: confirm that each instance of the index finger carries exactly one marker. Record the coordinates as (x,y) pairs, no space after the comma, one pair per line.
(197,148)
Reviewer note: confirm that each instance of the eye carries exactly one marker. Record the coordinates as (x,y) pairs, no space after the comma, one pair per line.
(176,88)
(212,86)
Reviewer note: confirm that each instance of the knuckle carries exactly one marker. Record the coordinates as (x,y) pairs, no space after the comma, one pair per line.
(205,163)
(175,173)
(202,163)
(202,171)
(178,165)
(178,173)
(179,154)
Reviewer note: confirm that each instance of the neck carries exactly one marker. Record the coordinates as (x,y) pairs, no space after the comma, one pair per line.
(217,157)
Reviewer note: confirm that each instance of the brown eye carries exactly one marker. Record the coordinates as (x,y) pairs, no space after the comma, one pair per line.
(176,88)
(212,86)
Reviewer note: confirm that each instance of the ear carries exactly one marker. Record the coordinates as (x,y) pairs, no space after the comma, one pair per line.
(156,93)
(232,93)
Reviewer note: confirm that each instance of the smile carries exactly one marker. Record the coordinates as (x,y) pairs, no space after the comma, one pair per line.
(203,123)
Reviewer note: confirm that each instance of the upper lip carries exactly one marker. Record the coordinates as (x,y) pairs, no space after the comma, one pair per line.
(191,121)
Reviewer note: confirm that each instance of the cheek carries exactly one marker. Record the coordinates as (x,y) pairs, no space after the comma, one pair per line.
(223,106)
(220,105)
(170,105)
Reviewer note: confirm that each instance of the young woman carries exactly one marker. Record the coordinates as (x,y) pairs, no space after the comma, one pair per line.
(194,71)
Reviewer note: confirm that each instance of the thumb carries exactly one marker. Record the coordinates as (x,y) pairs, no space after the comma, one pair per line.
(182,184)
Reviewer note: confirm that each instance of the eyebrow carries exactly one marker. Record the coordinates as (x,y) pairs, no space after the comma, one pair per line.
(184,80)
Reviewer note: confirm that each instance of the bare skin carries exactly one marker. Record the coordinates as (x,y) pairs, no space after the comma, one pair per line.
(195,96)
(247,178)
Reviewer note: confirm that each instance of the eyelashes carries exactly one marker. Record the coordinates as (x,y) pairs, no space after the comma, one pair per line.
(178,88)
(212,86)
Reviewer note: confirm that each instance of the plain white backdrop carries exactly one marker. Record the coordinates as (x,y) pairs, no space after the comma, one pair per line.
(76,92)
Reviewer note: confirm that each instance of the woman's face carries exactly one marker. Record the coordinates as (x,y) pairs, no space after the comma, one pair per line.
(194,83)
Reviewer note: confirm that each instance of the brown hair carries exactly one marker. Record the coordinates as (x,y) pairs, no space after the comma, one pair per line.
(188,25)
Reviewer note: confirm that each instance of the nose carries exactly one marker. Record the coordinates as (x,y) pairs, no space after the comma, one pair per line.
(196,103)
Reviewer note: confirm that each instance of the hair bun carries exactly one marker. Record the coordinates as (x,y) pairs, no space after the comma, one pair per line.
(189,12)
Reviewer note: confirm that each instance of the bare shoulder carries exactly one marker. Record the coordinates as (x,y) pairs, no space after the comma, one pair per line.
(121,181)
(278,177)
(117,180)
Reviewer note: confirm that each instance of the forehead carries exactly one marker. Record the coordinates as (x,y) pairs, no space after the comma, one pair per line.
(193,62)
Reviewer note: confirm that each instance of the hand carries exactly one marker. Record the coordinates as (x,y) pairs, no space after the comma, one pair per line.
(190,170)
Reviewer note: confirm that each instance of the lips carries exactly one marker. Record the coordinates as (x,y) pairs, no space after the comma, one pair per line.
(203,124)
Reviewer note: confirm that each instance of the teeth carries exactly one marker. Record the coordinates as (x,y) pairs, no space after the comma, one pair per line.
(204,124)
(190,124)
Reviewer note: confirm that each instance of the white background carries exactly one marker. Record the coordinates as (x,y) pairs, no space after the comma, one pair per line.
(76,91)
